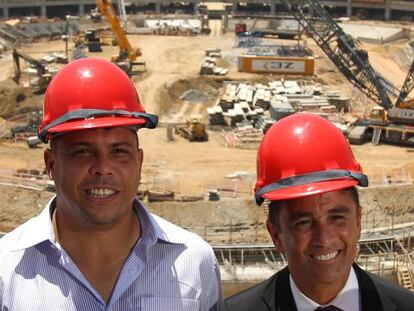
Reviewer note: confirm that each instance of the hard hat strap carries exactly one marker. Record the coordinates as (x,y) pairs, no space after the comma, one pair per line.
(151,120)
(311,178)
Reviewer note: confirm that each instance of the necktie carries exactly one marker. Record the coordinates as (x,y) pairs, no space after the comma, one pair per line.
(328,308)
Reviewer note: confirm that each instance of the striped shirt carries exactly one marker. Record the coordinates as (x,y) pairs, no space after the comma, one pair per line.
(168,269)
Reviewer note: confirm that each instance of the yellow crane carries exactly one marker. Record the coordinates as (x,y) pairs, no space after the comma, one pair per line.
(127,54)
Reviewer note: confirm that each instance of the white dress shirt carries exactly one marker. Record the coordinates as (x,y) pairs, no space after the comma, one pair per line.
(348,298)
(168,269)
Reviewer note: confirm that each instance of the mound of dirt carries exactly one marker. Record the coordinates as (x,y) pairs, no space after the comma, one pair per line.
(16,100)
(170,97)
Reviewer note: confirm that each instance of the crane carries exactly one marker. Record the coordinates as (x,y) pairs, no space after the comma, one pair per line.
(407,88)
(394,122)
(127,54)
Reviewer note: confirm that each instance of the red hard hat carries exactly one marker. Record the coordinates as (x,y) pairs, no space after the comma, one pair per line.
(304,154)
(91,93)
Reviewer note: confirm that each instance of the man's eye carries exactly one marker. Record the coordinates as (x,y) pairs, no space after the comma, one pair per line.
(120,151)
(303,224)
(79,152)
(338,217)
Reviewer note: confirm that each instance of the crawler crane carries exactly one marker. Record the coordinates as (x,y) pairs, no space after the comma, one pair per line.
(392,123)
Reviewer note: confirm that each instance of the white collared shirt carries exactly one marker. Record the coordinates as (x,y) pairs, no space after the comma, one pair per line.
(168,269)
(348,298)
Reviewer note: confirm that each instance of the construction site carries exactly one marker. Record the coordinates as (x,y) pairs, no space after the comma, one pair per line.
(219,74)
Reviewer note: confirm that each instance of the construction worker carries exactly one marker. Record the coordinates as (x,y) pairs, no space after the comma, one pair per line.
(307,174)
(94,246)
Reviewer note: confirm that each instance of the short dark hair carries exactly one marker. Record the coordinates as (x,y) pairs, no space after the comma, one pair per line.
(274,206)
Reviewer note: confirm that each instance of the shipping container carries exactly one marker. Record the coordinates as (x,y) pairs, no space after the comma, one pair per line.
(277,64)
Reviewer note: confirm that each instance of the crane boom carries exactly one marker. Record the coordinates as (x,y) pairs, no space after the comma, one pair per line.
(342,49)
(408,86)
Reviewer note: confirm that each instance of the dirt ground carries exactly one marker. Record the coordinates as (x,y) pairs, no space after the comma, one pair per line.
(172,68)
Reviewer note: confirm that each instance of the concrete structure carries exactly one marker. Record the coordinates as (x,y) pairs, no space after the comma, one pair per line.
(50,8)
(374,34)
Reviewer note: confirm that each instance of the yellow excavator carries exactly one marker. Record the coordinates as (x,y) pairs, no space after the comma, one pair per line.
(126,59)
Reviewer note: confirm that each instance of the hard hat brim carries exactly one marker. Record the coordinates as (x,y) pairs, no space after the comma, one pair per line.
(92,123)
(301,191)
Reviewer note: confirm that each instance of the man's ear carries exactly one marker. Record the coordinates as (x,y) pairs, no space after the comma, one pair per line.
(49,159)
(275,235)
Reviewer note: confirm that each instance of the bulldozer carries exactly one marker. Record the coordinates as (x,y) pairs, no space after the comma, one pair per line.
(194,129)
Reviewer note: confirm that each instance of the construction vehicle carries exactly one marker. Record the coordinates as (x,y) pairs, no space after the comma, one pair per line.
(94,15)
(194,129)
(388,122)
(126,59)
(42,75)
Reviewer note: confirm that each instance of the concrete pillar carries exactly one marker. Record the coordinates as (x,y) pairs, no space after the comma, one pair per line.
(6,11)
(387,14)
(195,4)
(349,8)
(225,21)
(157,7)
(234,8)
(43,11)
(273,7)
(81,9)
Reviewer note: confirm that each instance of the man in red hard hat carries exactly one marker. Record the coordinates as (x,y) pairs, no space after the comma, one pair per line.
(94,246)
(307,173)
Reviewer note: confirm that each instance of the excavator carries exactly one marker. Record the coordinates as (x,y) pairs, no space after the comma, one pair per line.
(388,122)
(43,77)
(126,59)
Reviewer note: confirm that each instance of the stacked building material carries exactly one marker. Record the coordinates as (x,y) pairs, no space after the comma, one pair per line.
(227,102)
(280,108)
(262,98)
(305,102)
(235,115)
(216,116)
(245,93)
(262,104)
(264,123)
(247,41)
(245,137)
(209,66)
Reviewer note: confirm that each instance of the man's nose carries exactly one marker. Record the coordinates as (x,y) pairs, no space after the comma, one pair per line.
(101,165)
(322,234)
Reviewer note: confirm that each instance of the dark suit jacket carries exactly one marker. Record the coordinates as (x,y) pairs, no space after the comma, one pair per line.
(275,294)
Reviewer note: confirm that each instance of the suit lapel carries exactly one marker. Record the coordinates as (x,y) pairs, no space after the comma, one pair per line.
(278,295)
(371,299)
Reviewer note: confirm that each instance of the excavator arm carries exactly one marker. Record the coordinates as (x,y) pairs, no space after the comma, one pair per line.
(42,73)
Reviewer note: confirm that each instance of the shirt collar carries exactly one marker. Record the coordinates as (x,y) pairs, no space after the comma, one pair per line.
(347,299)
(156,228)
(36,230)
(40,228)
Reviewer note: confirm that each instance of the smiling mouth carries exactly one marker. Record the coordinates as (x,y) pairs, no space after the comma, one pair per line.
(100,193)
(326,257)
